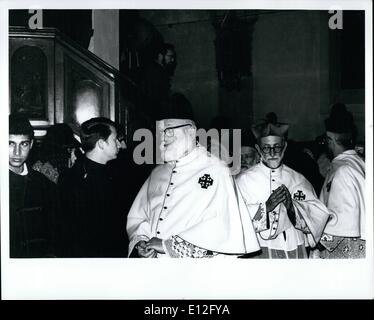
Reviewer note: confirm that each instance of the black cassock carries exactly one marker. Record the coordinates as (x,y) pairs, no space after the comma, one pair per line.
(92,215)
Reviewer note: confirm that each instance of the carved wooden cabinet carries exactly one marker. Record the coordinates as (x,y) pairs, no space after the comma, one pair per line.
(54,80)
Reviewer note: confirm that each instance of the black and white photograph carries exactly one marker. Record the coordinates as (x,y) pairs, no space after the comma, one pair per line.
(199,150)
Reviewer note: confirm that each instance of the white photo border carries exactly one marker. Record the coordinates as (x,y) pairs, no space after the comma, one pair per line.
(132,279)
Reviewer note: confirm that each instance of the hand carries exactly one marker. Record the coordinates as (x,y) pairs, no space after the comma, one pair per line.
(278,196)
(288,201)
(289,206)
(155,244)
(143,251)
(324,164)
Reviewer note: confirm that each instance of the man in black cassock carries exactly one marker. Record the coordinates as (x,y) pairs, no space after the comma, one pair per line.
(92,215)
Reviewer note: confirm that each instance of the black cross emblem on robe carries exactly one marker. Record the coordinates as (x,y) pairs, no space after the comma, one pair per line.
(299,195)
(205,181)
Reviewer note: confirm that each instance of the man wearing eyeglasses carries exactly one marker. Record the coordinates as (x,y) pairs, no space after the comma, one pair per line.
(286,213)
(188,207)
(155,79)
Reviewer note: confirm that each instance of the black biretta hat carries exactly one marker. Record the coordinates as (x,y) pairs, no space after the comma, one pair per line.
(340,120)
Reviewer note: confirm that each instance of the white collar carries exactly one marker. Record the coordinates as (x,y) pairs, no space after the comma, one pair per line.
(342,155)
(188,157)
(273,171)
(24,172)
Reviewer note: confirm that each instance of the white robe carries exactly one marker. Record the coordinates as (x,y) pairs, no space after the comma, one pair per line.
(343,194)
(257,183)
(196,199)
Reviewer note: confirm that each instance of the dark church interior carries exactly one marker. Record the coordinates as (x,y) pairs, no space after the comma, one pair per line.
(234,66)
(231,68)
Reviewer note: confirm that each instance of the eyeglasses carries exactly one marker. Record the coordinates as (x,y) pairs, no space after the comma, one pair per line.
(321,140)
(276,149)
(328,139)
(169,132)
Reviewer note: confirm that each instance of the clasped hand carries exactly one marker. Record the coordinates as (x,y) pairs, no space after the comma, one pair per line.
(281,195)
(150,248)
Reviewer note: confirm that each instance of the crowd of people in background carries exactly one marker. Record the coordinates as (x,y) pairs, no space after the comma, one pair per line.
(87,198)
(84,196)
(65,200)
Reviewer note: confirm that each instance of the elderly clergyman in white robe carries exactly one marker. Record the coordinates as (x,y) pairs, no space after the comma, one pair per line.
(286,213)
(188,206)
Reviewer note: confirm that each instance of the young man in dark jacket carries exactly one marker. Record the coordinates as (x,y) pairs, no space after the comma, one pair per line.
(32,197)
